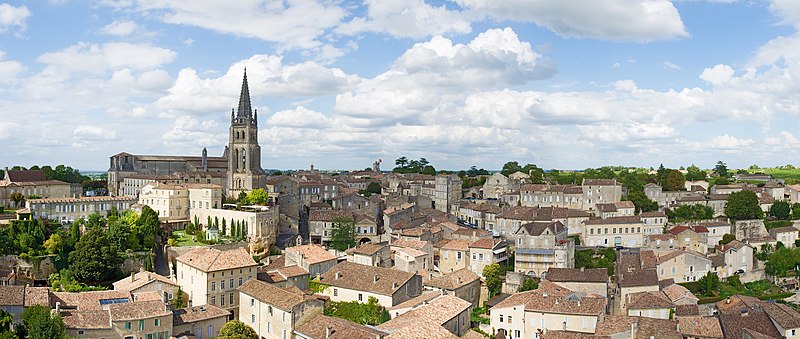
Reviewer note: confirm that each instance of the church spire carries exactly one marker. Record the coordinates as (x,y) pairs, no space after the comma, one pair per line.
(245,112)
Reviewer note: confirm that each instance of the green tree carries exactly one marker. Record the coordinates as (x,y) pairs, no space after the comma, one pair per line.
(242,199)
(373,188)
(721,169)
(511,167)
(17,198)
(95,259)
(224,227)
(39,324)
(54,244)
(6,320)
(236,329)
(120,234)
(709,283)
(675,181)
(641,202)
(727,238)
(493,276)
(178,301)
(527,285)
(694,173)
(343,234)
(780,210)
(258,197)
(148,226)
(743,205)
(401,162)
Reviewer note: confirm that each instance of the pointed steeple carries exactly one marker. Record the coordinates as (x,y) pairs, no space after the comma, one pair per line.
(245,112)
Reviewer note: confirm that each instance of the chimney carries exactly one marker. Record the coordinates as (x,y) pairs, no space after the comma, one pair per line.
(394,285)
(328,332)
(375,278)
(544,295)
(133,276)
(678,327)
(728,301)
(338,275)
(581,269)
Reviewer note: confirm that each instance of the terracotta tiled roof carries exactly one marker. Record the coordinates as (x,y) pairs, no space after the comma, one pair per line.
(782,314)
(700,327)
(675,292)
(312,253)
(410,243)
(37,296)
(456,245)
(363,278)
(662,237)
(94,319)
(368,249)
(86,301)
(197,313)
(426,321)
(12,295)
(486,243)
(26,176)
(329,215)
(649,299)
(410,251)
(339,329)
(211,259)
(138,310)
(747,318)
(789,229)
(550,297)
(140,279)
(591,275)
(642,277)
(653,214)
(271,294)
(417,301)
(615,326)
(292,271)
(454,280)
(605,208)
(686,310)
(599,182)
(677,253)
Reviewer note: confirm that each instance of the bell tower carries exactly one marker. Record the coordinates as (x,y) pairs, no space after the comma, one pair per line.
(244,157)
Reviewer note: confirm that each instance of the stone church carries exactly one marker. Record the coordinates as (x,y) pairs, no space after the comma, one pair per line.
(237,170)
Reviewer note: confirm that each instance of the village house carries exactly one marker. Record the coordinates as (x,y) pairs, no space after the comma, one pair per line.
(693,238)
(15,299)
(541,246)
(321,223)
(550,307)
(312,258)
(700,327)
(144,281)
(716,230)
(69,209)
(680,295)
(650,304)
(632,277)
(544,195)
(353,282)
(661,242)
(30,183)
(413,303)
(498,184)
(371,254)
(443,317)
(325,327)
(786,235)
(274,312)
(210,276)
(200,321)
(613,231)
(481,215)
(282,275)
(463,283)
(486,251)
(615,209)
(738,258)
(453,255)
(599,191)
(654,222)
(683,266)
(592,280)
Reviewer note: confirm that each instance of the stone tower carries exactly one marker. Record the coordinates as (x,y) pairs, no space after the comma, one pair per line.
(244,157)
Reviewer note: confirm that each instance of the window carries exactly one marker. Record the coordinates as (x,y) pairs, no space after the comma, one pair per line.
(222,285)
(253,318)
(240,280)
(501,318)
(269,310)
(231,298)
(157,322)
(232,282)
(252,302)
(516,333)
(128,325)
(509,319)
(360,297)
(269,327)
(335,292)
(213,286)
(141,325)
(222,301)
(213,300)
(458,255)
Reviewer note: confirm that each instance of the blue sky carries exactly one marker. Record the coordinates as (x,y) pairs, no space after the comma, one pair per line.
(339,84)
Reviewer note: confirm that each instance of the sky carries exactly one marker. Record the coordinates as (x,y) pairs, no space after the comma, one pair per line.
(340,84)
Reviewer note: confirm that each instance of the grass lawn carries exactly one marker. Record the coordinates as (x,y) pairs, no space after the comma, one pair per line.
(185,239)
(778,173)
(761,289)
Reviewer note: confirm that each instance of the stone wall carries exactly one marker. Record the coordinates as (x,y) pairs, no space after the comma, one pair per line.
(38,268)
(134,262)
(749,228)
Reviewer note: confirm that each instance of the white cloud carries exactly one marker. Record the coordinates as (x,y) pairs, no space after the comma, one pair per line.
(299,117)
(789,10)
(717,75)
(267,75)
(120,28)
(728,143)
(84,133)
(98,58)
(274,21)
(13,18)
(670,65)
(191,132)
(407,18)
(619,20)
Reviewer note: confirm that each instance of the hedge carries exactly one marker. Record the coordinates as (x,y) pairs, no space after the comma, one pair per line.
(709,300)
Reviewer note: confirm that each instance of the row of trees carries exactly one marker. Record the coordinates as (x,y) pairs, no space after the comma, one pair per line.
(404,165)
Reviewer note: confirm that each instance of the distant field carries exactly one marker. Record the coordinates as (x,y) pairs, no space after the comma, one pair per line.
(779,173)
